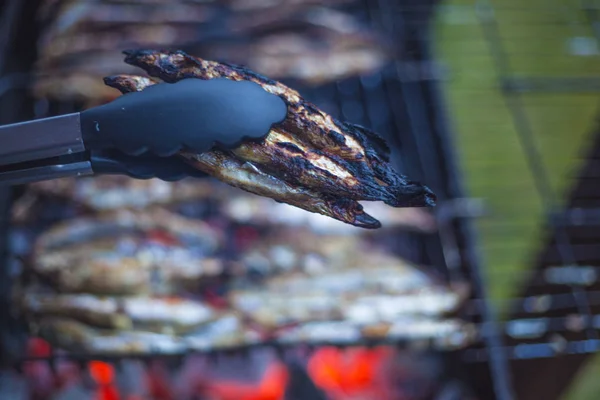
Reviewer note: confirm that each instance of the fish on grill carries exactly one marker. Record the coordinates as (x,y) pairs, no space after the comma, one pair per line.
(295,17)
(310,277)
(297,249)
(78,77)
(80,30)
(445,334)
(226,331)
(369,296)
(128,253)
(72,335)
(171,315)
(80,87)
(314,45)
(310,160)
(300,40)
(110,192)
(88,15)
(229,331)
(50,9)
(90,43)
(313,60)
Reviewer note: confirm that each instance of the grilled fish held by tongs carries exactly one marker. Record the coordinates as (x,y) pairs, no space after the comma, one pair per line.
(310,160)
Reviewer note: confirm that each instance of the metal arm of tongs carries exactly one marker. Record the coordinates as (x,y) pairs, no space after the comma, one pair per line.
(140,133)
(43,149)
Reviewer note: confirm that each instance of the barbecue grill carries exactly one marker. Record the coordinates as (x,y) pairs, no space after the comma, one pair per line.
(404,102)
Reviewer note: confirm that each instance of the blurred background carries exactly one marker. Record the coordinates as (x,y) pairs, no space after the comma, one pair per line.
(121,289)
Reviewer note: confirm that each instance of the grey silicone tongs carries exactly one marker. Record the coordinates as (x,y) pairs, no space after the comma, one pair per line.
(139,133)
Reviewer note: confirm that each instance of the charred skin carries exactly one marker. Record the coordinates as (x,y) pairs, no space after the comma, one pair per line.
(247,176)
(129,83)
(354,148)
(280,154)
(359,151)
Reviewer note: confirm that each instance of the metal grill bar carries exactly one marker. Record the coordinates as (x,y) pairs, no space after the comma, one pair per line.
(530,351)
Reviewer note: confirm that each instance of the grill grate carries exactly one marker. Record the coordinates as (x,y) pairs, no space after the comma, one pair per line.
(405,104)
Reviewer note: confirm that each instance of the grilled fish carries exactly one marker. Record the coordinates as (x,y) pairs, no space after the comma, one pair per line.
(126,253)
(73,87)
(311,59)
(87,15)
(314,45)
(249,177)
(82,44)
(68,334)
(443,334)
(341,295)
(310,160)
(71,335)
(156,314)
(355,282)
(110,192)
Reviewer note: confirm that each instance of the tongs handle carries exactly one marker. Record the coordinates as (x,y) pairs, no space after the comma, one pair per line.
(191,114)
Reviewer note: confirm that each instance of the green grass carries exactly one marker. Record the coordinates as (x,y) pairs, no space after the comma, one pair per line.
(535,34)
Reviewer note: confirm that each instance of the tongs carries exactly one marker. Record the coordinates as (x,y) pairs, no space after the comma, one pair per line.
(139,134)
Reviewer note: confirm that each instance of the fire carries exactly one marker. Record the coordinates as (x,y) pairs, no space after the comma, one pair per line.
(104,375)
(347,373)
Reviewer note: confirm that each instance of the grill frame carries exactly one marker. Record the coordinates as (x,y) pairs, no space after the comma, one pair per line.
(423,138)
